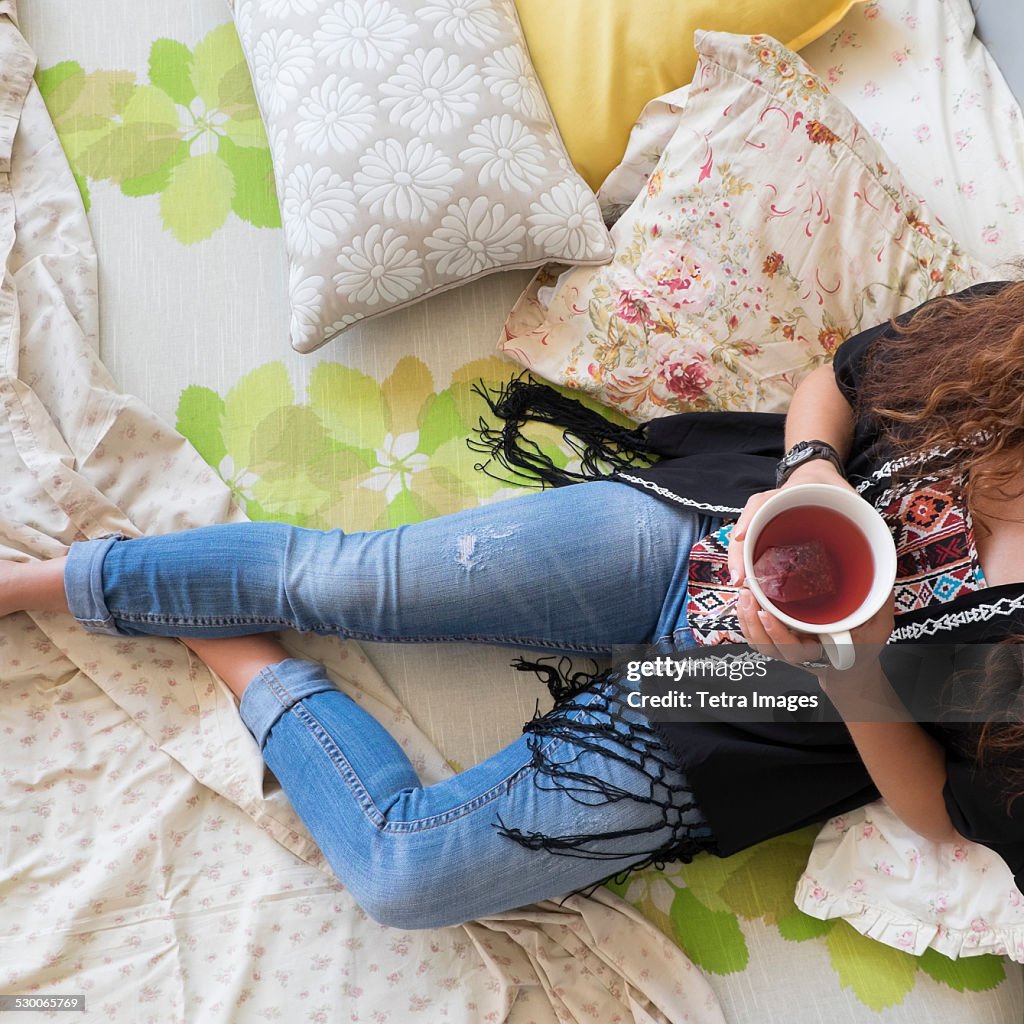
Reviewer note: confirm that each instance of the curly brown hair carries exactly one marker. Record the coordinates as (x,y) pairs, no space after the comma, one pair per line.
(999,741)
(951,378)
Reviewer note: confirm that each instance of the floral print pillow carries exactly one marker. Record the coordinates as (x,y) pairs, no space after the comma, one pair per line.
(413,151)
(772,228)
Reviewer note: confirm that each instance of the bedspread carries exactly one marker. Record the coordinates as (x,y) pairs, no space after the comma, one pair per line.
(147,861)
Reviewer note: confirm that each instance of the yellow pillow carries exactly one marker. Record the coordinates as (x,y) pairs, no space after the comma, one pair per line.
(600,61)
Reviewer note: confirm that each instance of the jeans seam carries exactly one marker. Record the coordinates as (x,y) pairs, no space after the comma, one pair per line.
(350,634)
(351,777)
(276,687)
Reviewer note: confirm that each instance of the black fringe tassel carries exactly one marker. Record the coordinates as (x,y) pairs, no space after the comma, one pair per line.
(562,678)
(603,447)
(605,725)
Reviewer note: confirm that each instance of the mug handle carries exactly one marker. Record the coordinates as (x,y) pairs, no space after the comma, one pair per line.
(838,648)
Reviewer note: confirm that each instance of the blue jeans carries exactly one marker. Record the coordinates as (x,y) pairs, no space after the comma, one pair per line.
(575,569)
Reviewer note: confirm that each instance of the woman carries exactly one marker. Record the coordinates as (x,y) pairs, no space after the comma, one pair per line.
(594,787)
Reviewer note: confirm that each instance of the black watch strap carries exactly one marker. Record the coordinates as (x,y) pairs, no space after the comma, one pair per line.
(803,452)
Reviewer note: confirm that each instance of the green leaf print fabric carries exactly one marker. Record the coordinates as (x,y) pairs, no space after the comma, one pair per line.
(192,134)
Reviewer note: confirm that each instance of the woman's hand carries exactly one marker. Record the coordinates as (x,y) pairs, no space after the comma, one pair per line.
(774,639)
(820,471)
(771,637)
(869,640)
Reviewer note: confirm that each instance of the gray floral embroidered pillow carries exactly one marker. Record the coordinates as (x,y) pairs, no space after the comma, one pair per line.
(413,150)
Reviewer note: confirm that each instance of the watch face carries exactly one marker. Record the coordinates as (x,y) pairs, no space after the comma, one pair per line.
(801,452)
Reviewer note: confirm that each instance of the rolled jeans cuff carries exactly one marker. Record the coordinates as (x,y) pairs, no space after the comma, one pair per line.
(277,688)
(83,584)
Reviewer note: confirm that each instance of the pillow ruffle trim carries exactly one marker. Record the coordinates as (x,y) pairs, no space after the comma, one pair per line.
(894,926)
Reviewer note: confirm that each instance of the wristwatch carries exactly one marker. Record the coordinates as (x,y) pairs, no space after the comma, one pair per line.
(803,452)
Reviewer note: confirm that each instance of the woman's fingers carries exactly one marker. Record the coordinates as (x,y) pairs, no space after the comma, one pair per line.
(752,627)
(879,627)
(772,638)
(870,638)
(739,532)
(794,648)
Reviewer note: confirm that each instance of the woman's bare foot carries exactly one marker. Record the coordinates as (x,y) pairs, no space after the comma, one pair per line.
(32,586)
(39,587)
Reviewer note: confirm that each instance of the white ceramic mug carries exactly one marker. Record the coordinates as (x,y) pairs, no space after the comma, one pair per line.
(835,637)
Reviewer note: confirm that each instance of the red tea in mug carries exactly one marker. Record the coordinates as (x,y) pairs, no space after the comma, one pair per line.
(813,550)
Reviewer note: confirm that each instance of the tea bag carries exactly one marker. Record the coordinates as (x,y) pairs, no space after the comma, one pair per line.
(795,572)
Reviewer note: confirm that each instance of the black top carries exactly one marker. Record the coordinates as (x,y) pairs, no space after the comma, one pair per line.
(755,780)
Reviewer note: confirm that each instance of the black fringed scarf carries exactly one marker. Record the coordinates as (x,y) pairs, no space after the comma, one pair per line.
(710,461)
(592,715)
(591,712)
(601,445)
